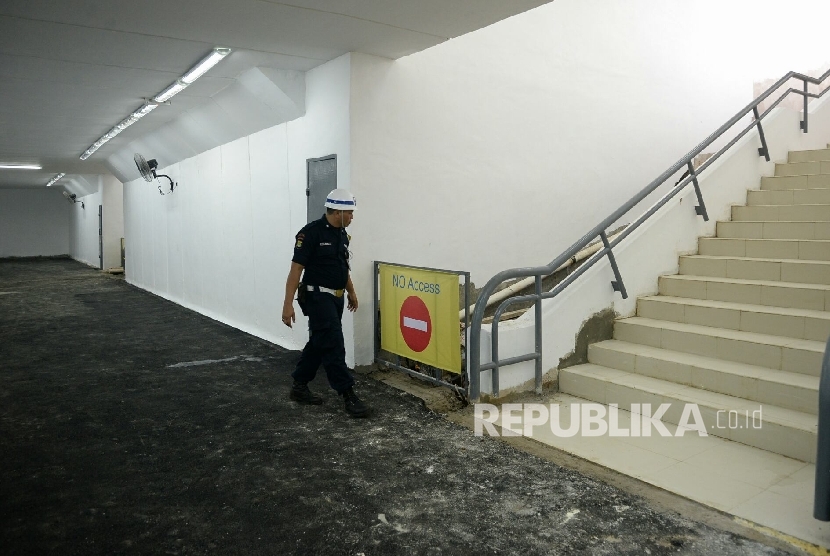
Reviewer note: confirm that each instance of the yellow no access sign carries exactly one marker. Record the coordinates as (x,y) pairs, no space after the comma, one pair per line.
(419,315)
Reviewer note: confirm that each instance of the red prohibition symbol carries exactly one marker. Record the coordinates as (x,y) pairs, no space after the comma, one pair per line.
(416,324)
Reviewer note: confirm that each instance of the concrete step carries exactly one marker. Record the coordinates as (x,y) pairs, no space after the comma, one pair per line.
(775,270)
(782,431)
(813,181)
(809,156)
(774,230)
(776,321)
(802,168)
(776,213)
(805,249)
(814,297)
(764,350)
(788,197)
(759,384)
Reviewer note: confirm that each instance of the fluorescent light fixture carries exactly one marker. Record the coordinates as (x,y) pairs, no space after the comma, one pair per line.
(55,180)
(202,67)
(194,73)
(144,110)
(20,166)
(127,122)
(171,91)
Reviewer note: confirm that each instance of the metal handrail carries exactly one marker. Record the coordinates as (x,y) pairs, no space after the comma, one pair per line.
(474,352)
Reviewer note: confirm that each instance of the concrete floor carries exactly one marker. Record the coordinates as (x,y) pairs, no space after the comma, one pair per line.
(130,425)
(769,490)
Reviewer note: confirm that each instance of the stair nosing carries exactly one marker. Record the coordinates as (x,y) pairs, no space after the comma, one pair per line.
(794,189)
(762,239)
(712,363)
(745,281)
(785,205)
(735,306)
(772,222)
(762,259)
(796,175)
(809,151)
(767,339)
(802,175)
(725,401)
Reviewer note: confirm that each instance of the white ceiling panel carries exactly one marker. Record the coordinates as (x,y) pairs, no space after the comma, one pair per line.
(456,18)
(104,47)
(72,69)
(267,27)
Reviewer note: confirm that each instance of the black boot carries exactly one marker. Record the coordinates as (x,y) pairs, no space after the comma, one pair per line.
(354,406)
(301,393)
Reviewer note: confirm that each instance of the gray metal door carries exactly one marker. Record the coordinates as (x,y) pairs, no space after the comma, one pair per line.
(100,237)
(321,178)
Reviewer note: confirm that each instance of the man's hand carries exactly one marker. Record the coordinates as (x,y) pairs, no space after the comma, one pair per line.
(352,299)
(291,285)
(351,296)
(288,316)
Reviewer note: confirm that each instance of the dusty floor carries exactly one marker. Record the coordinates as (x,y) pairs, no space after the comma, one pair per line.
(130,425)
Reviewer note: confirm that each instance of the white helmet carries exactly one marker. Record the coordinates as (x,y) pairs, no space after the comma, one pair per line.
(341,199)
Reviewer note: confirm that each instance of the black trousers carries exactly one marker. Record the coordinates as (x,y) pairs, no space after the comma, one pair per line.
(325,343)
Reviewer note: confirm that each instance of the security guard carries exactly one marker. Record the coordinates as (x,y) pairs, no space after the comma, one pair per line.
(321,256)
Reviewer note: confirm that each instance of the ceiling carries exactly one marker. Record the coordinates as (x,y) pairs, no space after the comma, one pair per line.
(72,69)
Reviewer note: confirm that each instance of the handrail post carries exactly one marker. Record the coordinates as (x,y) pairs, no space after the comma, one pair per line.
(474,349)
(618,283)
(821,500)
(763,151)
(700,209)
(375,329)
(494,372)
(538,333)
(473,361)
(467,326)
(804,121)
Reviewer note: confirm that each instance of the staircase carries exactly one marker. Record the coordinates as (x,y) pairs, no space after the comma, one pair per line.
(741,328)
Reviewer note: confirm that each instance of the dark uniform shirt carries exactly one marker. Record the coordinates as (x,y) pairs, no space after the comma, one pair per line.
(323,250)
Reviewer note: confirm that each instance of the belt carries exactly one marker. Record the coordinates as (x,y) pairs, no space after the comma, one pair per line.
(335,293)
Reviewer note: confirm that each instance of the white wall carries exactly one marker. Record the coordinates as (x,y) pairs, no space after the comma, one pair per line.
(83,226)
(257,99)
(222,242)
(500,148)
(493,150)
(113,201)
(653,249)
(107,192)
(33,223)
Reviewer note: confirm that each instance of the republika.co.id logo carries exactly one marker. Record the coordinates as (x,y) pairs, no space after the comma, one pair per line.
(594,419)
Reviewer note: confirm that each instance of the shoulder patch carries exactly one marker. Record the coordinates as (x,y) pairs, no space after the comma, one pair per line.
(300,238)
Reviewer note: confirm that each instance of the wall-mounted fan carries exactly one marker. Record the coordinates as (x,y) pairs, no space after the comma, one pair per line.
(72,198)
(147,169)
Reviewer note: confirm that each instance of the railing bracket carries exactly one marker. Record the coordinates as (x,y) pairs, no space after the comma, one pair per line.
(700,209)
(618,283)
(764,150)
